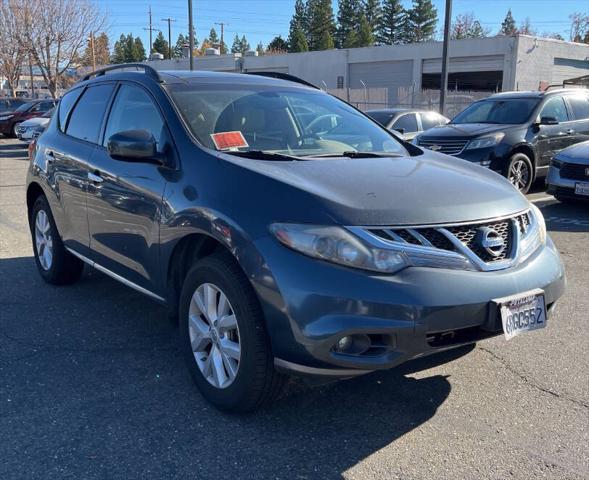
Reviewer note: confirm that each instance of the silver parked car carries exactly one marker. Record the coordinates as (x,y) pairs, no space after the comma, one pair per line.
(30,129)
(407,122)
(568,176)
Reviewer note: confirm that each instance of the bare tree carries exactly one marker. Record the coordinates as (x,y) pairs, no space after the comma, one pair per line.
(55,32)
(12,55)
(579,26)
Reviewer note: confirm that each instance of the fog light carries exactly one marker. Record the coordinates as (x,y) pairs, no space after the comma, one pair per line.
(344,344)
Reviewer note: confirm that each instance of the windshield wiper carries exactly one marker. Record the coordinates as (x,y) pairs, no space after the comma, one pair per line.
(355,154)
(262,155)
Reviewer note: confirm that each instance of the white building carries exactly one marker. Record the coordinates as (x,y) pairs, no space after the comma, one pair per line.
(391,74)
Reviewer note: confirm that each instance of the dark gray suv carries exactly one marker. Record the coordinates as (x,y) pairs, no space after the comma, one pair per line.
(280,249)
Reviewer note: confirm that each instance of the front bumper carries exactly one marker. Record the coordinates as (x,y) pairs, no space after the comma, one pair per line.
(309,305)
(495,158)
(563,187)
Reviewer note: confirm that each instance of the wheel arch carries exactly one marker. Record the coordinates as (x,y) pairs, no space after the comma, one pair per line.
(529,151)
(34,191)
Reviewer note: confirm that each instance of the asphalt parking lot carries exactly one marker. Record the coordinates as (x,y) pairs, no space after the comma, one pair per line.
(92,386)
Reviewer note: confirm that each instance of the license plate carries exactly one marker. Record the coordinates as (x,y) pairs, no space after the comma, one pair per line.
(522,313)
(582,188)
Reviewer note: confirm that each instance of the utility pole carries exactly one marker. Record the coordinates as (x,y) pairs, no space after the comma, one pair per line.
(222,25)
(169,20)
(151,30)
(93,52)
(190,35)
(444,79)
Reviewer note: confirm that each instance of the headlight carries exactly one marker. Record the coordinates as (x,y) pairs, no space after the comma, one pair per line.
(334,244)
(38,129)
(535,236)
(484,142)
(556,163)
(6,117)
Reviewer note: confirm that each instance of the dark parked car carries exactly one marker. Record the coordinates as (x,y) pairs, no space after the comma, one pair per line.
(408,122)
(568,176)
(8,104)
(9,121)
(282,251)
(515,133)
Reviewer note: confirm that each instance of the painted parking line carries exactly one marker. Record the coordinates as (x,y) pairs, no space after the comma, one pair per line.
(542,199)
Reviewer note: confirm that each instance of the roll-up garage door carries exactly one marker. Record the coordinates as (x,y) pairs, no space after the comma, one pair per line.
(389,75)
(482,63)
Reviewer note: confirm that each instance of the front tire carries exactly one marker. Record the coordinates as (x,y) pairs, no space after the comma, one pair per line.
(13,129)
(223,337)
(520,172)
(55,264)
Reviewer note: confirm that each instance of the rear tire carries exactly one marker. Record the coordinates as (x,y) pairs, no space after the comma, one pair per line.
(13,129)
(235,382)
(55,264)
(520,172)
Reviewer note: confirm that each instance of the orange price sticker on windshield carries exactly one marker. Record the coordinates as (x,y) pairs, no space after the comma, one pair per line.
(229,140)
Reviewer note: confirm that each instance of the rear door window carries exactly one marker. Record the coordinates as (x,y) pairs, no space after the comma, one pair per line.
(86,118)
(406,123)
(579,106)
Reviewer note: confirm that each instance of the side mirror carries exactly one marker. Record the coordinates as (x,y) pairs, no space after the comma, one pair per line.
(548,121)
(133,146)
(400,130)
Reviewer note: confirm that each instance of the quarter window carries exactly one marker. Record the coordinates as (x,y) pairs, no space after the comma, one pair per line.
(580,107)
(133,109)
(555,107)
(65,105)
(407,123)
(86,118)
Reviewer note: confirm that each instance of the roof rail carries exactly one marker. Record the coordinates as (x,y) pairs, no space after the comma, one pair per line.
(152,72)
(284,76)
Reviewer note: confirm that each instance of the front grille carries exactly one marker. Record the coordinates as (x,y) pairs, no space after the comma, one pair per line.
(574,171)
(466,234)
(449,146)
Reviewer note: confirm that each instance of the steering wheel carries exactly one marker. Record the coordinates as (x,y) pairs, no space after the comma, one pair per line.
(321,118)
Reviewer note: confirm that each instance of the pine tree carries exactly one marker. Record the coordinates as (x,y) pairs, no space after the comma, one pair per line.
(373,12)
(118,55)
(101,51)
(365,37)
(278,45)
(391,28)
(467,26)
(422,19)
(213,38)
(297,42)
(236,45)
(347,22)
(321,24)
(508,25)
(138,50)
(160,45)
(260,49)
(477,31)
(245,45)
(298,24)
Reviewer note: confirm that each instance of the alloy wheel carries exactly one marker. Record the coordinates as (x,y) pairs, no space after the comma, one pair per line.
(519,174)
(43,240)
(214,335)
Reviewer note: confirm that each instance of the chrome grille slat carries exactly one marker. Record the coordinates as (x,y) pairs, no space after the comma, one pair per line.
(450,146)
(461,238)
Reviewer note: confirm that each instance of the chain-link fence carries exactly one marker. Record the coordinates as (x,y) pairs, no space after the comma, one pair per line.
(408,97)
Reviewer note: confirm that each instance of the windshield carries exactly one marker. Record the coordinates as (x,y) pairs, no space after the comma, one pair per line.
(289,121)
(507,111)
(48,113)
(24,107)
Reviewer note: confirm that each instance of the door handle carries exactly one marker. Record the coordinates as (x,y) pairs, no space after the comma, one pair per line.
(95,178)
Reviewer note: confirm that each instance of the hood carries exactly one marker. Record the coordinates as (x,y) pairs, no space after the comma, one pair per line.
(33,122)
(465,130)
(427,189)
(578,153)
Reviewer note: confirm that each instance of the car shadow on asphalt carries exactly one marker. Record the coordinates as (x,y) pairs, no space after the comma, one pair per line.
(14,151)
(100,361)
(565,217)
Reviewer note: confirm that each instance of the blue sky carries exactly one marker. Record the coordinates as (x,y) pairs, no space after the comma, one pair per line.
(262,20)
